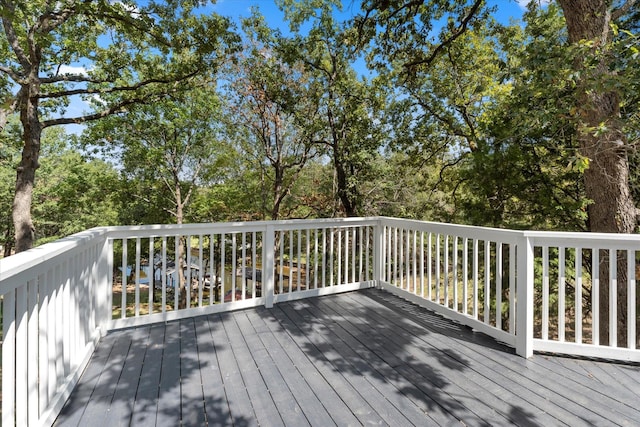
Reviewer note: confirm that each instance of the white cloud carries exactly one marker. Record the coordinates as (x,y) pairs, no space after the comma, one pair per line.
(67,69)
(523,3)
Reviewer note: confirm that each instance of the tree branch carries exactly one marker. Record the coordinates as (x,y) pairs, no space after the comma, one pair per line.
(115,109)
(622,10)
(460,31)
(12,74)
(12,38)
(118,88)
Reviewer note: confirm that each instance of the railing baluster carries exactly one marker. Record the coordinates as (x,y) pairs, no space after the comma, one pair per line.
(438,267)
(631,299)
(331,238)
(137,280)
(363,248)
(409,261)
(200,271)
(315,259)
(223,258)
(234,265)
(454,273)
(307,259)
(578,296)
(189,280)
(465,276)
(164,274)
(21,378)
(445,272)
(595,296)
(390,255)
(324,257)
(613,298)
(350,232)
(415,263)
(487,282)
(422,264)
(339,250)
(561,292)
(545,292)
(254,264)
(512,288)
(429,267)
(243,267)
(499,285)
(176,282)
(123,281)
(475,278)
(9,357)
(46,390)
(268,264)
(32,353)
(299,261)
(151,275)
(405,256)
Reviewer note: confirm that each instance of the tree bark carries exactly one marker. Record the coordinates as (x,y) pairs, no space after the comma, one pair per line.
(604,143)
(26,171)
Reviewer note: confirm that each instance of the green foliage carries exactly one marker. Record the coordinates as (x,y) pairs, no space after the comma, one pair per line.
(73,193)
(166,150)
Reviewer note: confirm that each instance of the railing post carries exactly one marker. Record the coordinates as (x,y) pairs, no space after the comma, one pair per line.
(524,303)
(378,253)
(268,268)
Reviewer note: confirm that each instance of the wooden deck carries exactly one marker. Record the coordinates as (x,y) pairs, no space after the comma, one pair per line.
(365,357)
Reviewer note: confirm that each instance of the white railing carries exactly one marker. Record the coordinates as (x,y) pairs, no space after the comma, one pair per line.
(53,312)
(472,274)
(532,290)
(232,266)
(586,294)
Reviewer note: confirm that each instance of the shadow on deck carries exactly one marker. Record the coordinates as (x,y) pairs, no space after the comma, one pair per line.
(364,357)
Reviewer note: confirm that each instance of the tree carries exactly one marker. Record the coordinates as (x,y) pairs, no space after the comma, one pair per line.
(273,113)
(170,145)
(72,193)
(167,148)
(591,29)
(527,172)
(128,54)
(602,79)
(351,107)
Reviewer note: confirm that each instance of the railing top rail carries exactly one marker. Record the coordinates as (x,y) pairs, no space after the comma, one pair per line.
(16,264)
(470,231)
(539,238)
(584,239)
(219,227)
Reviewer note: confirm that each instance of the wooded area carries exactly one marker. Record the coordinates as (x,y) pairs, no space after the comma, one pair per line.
(457,117)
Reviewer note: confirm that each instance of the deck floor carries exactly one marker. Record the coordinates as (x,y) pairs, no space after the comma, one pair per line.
(364,357)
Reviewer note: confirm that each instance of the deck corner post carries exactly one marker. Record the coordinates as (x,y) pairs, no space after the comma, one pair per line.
(524,298)
(378,253)
(268,269)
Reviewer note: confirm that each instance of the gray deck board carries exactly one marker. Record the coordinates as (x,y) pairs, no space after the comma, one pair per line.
(359,358)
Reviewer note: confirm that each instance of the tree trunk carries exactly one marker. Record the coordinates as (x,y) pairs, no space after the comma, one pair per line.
(26,172)
(345,194)
(604,143)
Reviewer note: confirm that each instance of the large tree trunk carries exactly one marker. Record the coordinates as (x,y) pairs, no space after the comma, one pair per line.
(607,178)
(26,172)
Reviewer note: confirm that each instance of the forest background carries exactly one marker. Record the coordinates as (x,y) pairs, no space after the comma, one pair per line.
(415,109)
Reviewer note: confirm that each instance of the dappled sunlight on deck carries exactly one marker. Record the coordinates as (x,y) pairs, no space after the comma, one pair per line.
(364,357)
